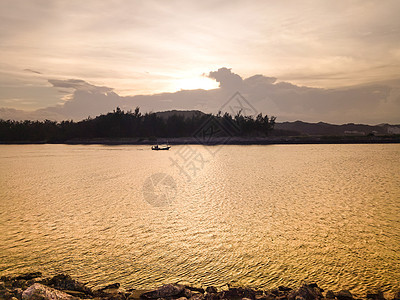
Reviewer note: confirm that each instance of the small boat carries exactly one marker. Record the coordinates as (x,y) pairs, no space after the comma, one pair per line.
(160,147)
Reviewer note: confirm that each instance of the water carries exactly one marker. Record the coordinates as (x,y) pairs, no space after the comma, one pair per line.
(259,216)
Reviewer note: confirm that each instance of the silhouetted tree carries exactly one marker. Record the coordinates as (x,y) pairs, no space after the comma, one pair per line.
(120,124)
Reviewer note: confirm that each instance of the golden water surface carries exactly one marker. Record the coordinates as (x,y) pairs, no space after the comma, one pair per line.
(259,216)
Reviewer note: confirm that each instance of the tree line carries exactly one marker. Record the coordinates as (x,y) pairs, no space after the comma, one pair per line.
(134,124)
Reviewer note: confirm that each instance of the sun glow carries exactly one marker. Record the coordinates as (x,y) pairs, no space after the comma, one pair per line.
(194,83)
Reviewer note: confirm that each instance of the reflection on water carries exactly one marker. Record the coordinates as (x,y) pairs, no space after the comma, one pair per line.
(260,216)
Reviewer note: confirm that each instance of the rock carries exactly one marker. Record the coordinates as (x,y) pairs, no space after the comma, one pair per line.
(187,293)
(75,294)
(212,296)
(18,292)
(39,291)
(4,294)
(182,298)
(20,283)
(9,284)
(376,296)
(109,289)
(259,292)
(276,292)
(2,285)
(34,280)
(284,288)
(260,296)
(330,295)
(29,276)
(107,294)
(314,285)
(118,296)
(397,295)
(197,296)
(306,292)
(14,298)
(344,295)
(235,293)
(65,282)
(269,296)
(135,294)
(5,278)
(168,290)
(194,289)
(211,290)
(111,286)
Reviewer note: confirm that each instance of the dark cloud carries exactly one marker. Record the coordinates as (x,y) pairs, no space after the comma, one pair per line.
(79,85)
(371,104)
(32,71)
(226,78)
(87,99)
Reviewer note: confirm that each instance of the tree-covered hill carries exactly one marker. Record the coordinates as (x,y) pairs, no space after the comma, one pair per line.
(134,124)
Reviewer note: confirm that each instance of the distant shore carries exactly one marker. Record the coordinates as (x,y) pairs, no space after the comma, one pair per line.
(273,140)
(35,286)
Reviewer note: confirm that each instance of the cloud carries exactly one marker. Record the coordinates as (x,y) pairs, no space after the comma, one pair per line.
(371,103)
(20,115)
(32,71)
(323,44)
(86,100)
(79,85)
(226,78)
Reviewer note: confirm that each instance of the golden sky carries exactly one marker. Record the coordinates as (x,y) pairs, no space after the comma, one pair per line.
(151,47)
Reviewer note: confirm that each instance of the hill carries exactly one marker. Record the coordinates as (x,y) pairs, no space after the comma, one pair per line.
(321,128)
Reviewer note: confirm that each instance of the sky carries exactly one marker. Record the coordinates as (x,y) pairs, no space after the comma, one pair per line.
(332,61)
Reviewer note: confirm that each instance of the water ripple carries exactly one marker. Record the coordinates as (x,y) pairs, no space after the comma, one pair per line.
(260,216)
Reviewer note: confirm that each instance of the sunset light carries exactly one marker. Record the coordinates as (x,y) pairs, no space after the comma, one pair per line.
(200,150)
(200,82)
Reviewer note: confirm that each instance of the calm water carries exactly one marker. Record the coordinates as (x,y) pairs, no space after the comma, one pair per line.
(260,216)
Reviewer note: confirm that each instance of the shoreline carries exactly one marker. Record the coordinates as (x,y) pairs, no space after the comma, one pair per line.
(215,141)
(35,286)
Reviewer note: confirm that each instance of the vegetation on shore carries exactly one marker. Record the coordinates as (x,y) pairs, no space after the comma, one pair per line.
(185,127)
(133,124)
(34,286)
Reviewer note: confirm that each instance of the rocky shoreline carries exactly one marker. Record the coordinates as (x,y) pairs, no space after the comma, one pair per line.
(35,286)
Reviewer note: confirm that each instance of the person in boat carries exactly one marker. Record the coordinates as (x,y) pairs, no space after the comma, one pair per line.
(160,148)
